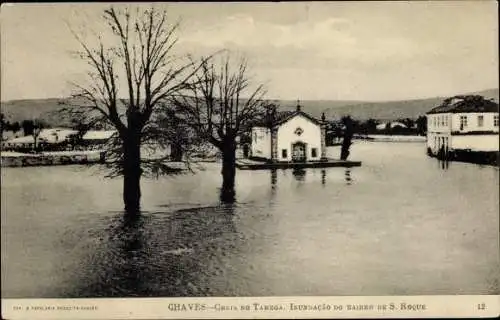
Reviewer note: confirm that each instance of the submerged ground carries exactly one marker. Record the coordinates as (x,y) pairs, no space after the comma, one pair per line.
(401,224)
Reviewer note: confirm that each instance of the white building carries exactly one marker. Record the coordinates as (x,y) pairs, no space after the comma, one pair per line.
(56,135)
(391,125)
(463,123)
(100,136)
(45,137)
(95,139)
(289,136)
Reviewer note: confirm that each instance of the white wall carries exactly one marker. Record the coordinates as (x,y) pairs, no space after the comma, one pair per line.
(437,139)
(441,126)
(441,122)
(261,142)
(311,136)
(472,122)
(483,142)
(475,142)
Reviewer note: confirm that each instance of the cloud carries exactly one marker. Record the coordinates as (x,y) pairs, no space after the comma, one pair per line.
(331,42)
(245,31)
(344,49)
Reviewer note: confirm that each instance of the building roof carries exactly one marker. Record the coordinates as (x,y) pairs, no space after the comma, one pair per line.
(465,104)
(98,134)
(391,124)
(281,117)
(55,135)
(7,135)
(26,139)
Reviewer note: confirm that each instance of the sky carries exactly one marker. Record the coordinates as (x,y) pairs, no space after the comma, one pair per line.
(301,50)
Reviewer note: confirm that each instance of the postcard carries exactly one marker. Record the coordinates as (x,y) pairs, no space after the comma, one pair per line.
(237,160)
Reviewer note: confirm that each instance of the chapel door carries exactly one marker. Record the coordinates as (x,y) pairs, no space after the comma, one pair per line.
(298,152)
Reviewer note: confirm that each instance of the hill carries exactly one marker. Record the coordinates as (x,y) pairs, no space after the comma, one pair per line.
(18,110)
(385,110)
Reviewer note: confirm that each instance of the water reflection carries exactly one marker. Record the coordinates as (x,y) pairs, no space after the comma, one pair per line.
(274,178)
(443,164)
(227,195)
(117,265)
(156,254)
(323,177)
(347,176)
(274,182)
(299,174)
(130,247)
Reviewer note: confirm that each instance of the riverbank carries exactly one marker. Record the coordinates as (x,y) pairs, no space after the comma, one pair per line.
(17,159)
(390,138)
(476,157)
(248,164)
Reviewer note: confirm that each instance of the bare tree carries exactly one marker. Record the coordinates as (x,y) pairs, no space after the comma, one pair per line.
(348,132)
(220,105)
(38,125)
(3,124)
(142,57)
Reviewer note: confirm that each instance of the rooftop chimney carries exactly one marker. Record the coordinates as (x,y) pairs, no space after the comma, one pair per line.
(298,105)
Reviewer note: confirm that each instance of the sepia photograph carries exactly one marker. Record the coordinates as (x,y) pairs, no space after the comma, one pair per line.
(249,159)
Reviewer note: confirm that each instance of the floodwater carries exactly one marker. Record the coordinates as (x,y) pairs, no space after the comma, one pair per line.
(401,224)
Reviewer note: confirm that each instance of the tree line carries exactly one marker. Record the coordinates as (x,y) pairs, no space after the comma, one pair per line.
(27,126)
(411,127)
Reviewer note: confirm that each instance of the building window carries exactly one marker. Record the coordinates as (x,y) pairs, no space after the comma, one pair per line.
(284,153)
(495,120)
(480,121)
(463,122)
(255,137)
(314,152)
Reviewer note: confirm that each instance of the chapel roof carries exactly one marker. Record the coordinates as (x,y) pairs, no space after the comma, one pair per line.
(280,117)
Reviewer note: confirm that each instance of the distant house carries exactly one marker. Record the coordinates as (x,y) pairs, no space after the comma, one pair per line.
(9,134)
(18,143)
(391,125)
(58,139)
(56,135)
(289,136)
(96,139)
(463,123)
(46,139)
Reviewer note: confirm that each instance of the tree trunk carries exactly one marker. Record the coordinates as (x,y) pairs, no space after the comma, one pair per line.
(176,152)
(346,144)
(347,141)
(132,173)
(228,170)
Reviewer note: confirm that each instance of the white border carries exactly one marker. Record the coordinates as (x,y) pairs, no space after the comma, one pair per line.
(457,306)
